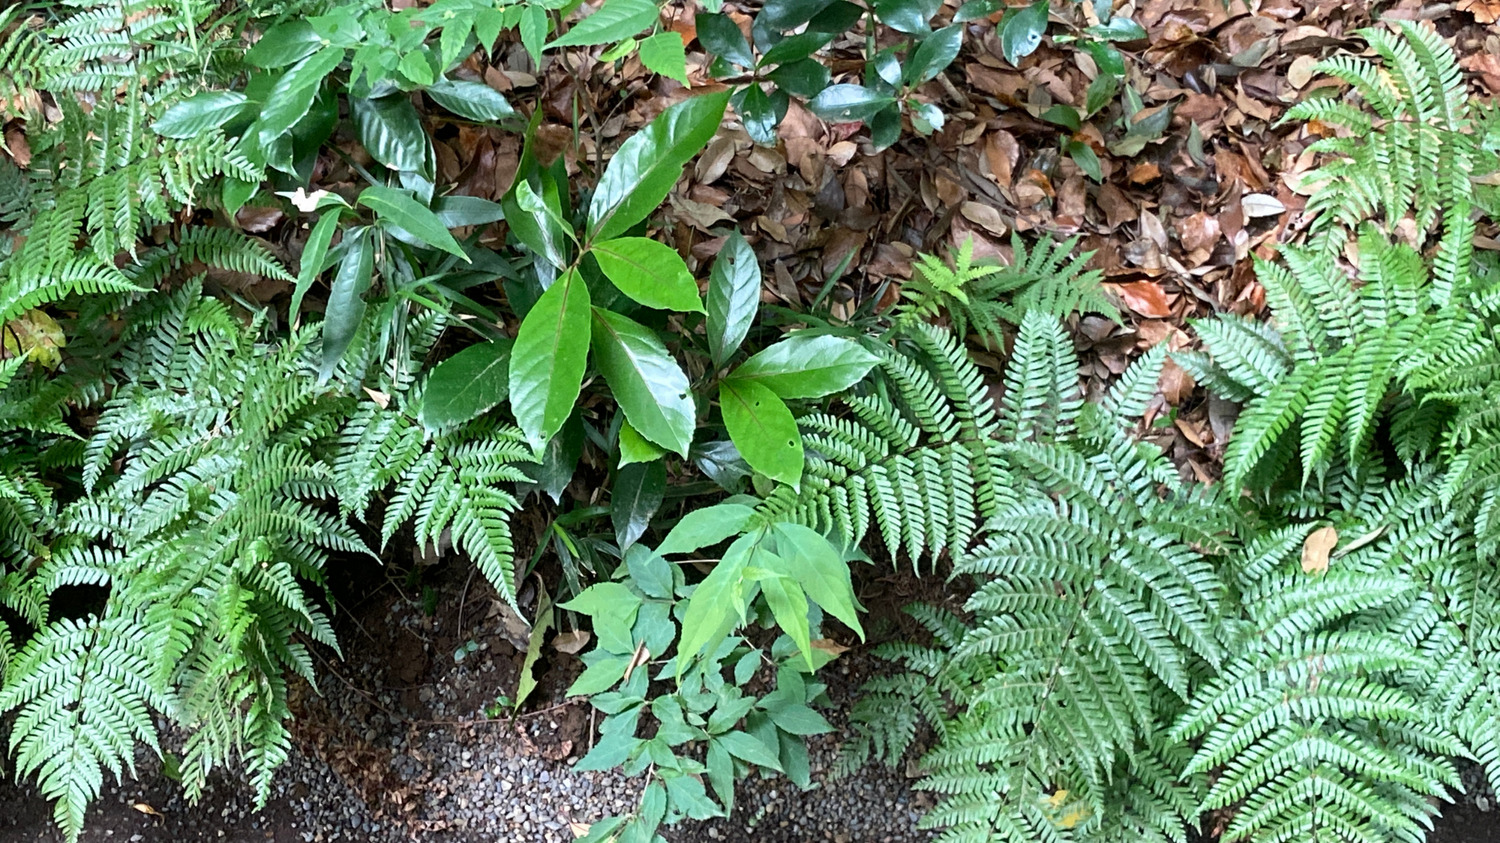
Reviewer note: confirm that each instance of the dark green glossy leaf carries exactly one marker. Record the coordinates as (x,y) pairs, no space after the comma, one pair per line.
(549,357)
(1021,31)
(936,52)
(977,10)
(650,387)
(466,385)
(313,255)
(838,17)
(806,78)
(808,366)
(784,15)
(459,211)
(1101,92)
(721,36)
(1106,57)
(200,113)
(796,47)
(663,53)
(398,207)
(848,103)
(721,462)
(346,303)
(908,16)
(643,171)
(559,459)
(763,429)
(758,112)
(474,100)
(634,499)
(733,297)
(536,220)
(283,45)
(885,127)
(292,96)
(649,272)
(616,20)
(391,131)
(1118,29)
(1087,160)
(1063,115)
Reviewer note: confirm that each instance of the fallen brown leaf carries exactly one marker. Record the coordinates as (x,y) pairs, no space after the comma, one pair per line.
(1145,298)
(1315,549)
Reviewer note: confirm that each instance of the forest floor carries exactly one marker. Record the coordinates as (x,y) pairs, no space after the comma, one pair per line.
(401,744)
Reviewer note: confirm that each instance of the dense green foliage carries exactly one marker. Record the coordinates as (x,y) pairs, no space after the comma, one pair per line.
(181,469)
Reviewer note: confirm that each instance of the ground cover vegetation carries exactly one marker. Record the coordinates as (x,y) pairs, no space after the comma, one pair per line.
(1304,648)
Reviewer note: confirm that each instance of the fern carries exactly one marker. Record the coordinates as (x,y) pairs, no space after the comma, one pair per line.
(983,297)
(1347,340)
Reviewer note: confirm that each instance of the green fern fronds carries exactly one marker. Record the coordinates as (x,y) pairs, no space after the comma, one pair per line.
(984,297)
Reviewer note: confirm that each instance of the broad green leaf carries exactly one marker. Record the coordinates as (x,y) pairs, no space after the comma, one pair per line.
(474,100)
(612,607)
(650,573)
(785,15)
(649,272)
(747,748)
(1101,92)
(636,448)
(926,118)
(313,255)
(908,16)
(718,603)
(417,69)
(838,16)
(643,171)
(200,113)
(549,357)
(977,9)
(634,499)
(796,47)
(647,383)
(936,52)
(1107,57)
(459,211)
(618,51)
(808,366)
(346,303)
(559,459)
(398,207)
(733,297)
(758,112)
(789,607)
(820,569)
(536,222)
(391,131)
(534,25)
(798,719)
(1064,115)
(848,103)
(706,526)
(282,45)
(1087,160)
(466,385)
(722,36)
(885,127)
(689,797)
(663,53)
(1021,31)
(616,20)
(292,96)
(1118,29)
(806,78)
(762,429)
(600,676)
